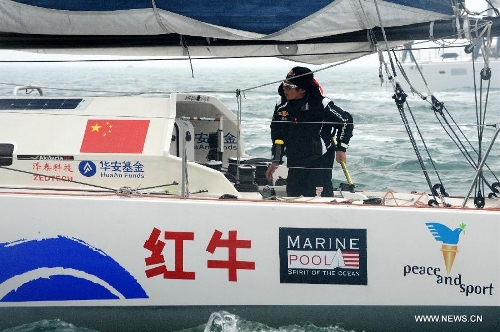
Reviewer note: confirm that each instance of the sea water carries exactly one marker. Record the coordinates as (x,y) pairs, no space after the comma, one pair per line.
(381,156)
(217,322)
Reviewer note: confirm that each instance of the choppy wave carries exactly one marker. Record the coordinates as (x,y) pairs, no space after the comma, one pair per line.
(47,326)
(221,321)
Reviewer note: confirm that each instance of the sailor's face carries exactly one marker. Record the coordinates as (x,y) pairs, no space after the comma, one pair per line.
(292,91)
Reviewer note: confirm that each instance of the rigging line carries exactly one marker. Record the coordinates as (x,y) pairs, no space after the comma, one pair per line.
(68,89)
(400,99)
(129,93)
(71,190)
(497,13)
(169,92)
(481,110)
(425,145)
(91,90)
(168,31)
(318,122)
(383,123)
(457,141)
(480,114)
(174,183)
(438,109)
(314,71)
(400,105)
(405,76)
(481,119)
(486,102)
(185,46)
(183,58)
(98,60)
(462,148)
(485,75)
(359,169)
(238,133)
(459,144)
(477,115)
(87,184)
(385,37)
(482,129)
(374,42)
(362,8)
(158,18)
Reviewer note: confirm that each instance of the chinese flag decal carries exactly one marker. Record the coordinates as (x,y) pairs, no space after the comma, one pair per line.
(114,136)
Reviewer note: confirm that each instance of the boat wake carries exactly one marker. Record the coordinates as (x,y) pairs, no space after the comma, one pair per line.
(224,321)
(220,321)
(46,325)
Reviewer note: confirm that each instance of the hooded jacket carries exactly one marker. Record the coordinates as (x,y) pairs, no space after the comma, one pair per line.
(307,126)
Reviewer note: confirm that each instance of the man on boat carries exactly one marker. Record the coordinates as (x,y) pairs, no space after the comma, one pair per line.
(303,128)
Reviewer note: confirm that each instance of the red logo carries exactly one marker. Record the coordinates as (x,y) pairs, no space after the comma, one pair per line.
(176,270)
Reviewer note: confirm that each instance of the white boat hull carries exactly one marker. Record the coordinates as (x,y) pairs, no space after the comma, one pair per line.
(449,74)
(161,260)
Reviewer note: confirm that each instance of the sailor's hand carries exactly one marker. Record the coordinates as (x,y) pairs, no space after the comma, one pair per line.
(270,170)
(341,157)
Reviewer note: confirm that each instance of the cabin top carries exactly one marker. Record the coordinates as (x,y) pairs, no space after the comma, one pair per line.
(115,141)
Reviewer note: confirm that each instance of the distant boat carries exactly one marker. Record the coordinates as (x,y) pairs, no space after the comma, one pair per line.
(451,68)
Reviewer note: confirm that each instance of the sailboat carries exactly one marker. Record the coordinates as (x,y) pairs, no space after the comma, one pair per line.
(458,67)
(114,221)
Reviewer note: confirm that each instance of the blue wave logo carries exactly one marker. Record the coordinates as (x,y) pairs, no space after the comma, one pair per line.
(62,269)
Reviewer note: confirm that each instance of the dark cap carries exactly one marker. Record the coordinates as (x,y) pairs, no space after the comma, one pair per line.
(304,79)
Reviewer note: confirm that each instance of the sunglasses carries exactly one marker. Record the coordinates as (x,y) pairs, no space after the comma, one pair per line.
(289,86)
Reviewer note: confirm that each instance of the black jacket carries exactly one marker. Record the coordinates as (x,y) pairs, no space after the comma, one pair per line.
(307,126)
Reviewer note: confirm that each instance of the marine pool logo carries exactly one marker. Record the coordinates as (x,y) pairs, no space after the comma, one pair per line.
(449,238)
(62,269)
(323,256)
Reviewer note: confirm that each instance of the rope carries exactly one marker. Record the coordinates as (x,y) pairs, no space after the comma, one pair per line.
(403,73)
(436,104)
(385,39)
(185,46)
(400,99)
(238,132)
(168,31)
